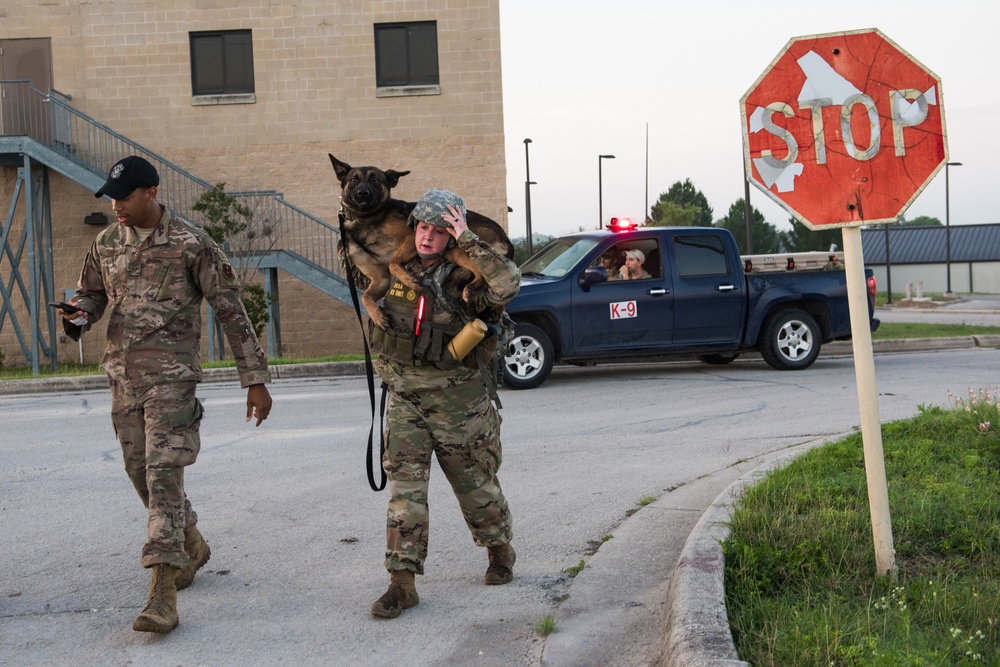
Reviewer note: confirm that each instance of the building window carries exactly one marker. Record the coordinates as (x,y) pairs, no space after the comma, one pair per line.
(406,54)
(222,62)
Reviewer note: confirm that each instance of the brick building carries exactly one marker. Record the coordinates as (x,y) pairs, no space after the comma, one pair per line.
(253,94)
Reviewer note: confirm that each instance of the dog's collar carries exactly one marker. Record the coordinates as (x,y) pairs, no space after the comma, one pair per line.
(345,214)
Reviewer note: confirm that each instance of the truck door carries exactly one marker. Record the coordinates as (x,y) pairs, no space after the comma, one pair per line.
(709,299)
(625,315)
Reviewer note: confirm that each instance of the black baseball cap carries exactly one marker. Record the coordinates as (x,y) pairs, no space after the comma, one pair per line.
(128,174)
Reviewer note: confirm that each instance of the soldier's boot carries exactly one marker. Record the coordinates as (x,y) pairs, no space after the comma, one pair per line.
(198,554)
(402,594)
(501,569)
(160,614)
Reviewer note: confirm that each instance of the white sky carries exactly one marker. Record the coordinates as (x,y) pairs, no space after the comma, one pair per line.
(583,78)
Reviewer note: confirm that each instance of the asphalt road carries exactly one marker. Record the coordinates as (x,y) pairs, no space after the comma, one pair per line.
(297,536)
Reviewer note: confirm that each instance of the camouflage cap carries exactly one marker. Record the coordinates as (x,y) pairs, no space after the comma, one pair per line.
(433,205)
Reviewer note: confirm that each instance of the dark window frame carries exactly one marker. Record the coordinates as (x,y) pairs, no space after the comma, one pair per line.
(230,45)
(416,60)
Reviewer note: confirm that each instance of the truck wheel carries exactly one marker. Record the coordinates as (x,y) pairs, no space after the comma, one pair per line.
(529,357)
(791,340)
(719,359)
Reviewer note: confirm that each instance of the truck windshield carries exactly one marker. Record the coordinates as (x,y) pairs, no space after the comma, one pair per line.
(557,258)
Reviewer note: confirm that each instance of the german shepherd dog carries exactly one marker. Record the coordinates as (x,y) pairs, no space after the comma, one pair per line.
(378,241)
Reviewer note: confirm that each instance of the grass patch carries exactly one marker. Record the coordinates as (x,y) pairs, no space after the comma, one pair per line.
(72,368)
(594,545)
(897,330)
(646,500)
(574,570)
(66,369)
(545,626)
(800,565)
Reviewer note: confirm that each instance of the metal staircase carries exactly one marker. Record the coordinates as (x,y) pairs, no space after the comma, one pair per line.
(39,129)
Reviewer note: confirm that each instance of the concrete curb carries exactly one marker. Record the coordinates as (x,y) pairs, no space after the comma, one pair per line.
(90,382)
(697,624)
(914,344)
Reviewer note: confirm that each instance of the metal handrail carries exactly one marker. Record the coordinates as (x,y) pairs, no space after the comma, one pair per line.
(51,120)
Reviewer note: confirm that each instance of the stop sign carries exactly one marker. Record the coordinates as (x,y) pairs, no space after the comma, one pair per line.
(844,129)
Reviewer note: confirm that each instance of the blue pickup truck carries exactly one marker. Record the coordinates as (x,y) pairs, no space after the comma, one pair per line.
(694,296)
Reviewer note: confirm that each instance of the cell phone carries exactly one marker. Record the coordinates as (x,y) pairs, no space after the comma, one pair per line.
(66,307)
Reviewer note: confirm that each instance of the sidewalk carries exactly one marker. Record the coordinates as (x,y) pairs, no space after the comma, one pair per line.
(347,368)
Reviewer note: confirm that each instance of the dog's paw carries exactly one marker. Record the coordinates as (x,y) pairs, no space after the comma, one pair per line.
(469,293)
(411,281)
(380,319)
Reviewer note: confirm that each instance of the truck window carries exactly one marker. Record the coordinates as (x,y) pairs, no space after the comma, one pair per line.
(613,258)
(558,257)
(700,256)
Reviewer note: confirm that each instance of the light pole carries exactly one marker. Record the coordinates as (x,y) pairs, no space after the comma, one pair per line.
(527,196)
(600,190)
(947,225)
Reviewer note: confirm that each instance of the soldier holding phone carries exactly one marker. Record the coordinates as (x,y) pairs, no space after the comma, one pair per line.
(149,273)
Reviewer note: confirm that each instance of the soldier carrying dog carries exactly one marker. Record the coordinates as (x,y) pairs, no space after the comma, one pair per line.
(439,404)
(151,271)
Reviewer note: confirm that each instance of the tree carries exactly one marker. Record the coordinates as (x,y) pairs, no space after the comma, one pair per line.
(766,237)
(538,241)
(919,221)
(803,239)
(684,205)
(233,225)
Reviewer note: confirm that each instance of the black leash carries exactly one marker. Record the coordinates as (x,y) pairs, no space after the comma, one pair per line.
(369,371)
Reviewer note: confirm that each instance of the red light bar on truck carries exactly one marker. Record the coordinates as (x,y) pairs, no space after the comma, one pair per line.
(622,225)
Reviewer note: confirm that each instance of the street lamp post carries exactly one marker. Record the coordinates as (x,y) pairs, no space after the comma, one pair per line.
(947,225)
(527,196)
(600,190)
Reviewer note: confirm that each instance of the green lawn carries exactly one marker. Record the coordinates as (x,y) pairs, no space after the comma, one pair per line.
(800,563)
(894,330)
(71,368)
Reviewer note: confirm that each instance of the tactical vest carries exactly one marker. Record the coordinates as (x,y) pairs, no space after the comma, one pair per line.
(401,342)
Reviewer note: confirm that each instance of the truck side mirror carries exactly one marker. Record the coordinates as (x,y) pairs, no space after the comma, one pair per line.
(591,276)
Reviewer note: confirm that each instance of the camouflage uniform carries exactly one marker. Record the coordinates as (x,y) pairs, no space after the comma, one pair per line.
(438,406)
(154,289)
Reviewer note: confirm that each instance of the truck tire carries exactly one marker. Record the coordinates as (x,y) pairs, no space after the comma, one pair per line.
(529,357)
(719,359)
(791,340)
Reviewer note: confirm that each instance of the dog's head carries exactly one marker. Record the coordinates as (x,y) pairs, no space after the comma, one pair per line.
(364,190)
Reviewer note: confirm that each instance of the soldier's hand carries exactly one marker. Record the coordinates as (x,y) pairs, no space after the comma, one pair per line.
(456,220)
(258,402)
(77,317)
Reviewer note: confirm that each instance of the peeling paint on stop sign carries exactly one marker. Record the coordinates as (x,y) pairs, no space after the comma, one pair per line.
(844,129)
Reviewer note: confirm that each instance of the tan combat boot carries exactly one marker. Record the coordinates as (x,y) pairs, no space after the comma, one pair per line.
(402,594)
(198,554)
(501,569)
(160,614)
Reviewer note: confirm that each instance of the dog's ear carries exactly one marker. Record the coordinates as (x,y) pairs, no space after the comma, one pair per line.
(339,168)
(392,177)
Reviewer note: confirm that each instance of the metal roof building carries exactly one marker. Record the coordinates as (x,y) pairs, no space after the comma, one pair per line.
(922,254)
